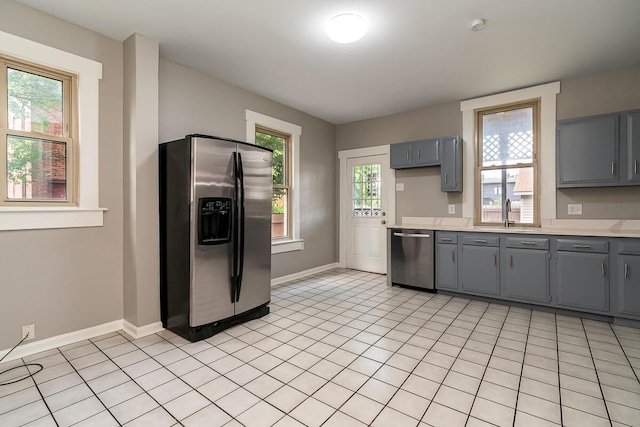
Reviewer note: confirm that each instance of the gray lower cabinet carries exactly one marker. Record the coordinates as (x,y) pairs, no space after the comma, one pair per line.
(582,280)
(629,284)
(447,266)
(527,275)
(480,272)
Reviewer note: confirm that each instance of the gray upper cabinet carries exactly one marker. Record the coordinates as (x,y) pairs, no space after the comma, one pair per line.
(632,120)
(451,173)
(426,152)
(401,155)
(599,151)
(588,151)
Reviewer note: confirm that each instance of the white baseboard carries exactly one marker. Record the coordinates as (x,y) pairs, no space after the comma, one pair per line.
(301,274)
(141,331)
(27,349)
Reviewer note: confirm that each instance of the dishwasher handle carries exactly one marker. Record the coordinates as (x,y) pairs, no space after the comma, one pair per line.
(411,235)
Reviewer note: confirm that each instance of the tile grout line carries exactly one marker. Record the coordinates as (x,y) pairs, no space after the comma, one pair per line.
(625,353)
(596,371)
(40,393)
(555,317)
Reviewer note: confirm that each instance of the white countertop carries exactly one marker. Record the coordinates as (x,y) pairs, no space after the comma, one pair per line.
(599,228)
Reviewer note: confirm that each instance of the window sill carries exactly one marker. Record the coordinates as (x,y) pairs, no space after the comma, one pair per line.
(278,247)
(36,218)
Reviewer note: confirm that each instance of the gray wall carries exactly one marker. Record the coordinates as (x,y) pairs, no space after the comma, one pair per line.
(595,94)
(68,279)
(421,195)
(191,102)
(602,93)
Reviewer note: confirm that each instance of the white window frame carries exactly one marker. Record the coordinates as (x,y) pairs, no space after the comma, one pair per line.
(547,148)
(87,213)
(253,119)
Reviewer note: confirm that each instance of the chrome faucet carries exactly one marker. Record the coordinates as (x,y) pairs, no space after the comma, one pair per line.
(508,223)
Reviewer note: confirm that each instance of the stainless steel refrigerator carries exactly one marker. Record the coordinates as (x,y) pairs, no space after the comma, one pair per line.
(215,234)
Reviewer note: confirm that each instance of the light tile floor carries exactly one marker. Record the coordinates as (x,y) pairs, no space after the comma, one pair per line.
(342,349)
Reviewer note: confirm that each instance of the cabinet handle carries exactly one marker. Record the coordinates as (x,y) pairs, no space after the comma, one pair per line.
(511,261)
(407,155)
(613,168)
(626,271)
(495,259)
(418,153)
(445,178)
(453,257)
(635,167)
(582,246)
(438,150)
(445,239)
(524,242)
(480,240)
(603,268)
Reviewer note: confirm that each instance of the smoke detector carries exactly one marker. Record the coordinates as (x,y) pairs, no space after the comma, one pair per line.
(478,24)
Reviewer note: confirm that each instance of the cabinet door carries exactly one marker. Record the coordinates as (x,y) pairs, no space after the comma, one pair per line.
(426,153)
(583,280)
(588,151)
(629,284)
(446,266)
(527,274)
(480,273)
(451,172)
(633,147)
(401,155)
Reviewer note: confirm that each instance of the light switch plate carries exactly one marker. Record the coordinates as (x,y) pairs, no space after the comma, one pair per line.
(399,186)
(575,209)
(452,209)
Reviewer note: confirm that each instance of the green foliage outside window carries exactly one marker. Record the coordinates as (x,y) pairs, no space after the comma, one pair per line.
(278,145)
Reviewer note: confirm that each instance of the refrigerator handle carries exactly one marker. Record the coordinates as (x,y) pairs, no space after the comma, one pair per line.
(241,239)
(234,273)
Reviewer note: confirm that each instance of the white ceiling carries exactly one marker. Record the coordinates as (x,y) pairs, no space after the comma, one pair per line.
(417,53)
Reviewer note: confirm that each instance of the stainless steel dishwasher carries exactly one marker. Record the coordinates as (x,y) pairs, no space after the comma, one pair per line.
(412,257)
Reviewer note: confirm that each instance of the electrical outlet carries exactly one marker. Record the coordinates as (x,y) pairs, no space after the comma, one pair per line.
(29,329)
(399,186)
(452,209)
(574,209)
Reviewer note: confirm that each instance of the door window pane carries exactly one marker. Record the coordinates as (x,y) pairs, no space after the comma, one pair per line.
(34,103)
(36,169)
(366,190)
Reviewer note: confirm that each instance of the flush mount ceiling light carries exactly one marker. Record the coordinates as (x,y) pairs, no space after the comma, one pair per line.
(346,28)
(477,24)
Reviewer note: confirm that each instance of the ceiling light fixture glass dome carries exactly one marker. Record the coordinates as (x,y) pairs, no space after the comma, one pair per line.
(346,27)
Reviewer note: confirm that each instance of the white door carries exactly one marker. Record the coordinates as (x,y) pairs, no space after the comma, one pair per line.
(366,214)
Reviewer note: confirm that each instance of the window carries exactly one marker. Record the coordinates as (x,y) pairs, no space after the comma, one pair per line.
(280,201)
(84,211)
(506,172)
(284,139)
(37,130)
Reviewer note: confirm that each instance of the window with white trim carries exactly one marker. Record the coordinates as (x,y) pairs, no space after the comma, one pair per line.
(85,210)
(37,146)
(284,139)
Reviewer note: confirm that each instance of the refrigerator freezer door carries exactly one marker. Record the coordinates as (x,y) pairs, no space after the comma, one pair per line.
(255,289)
(211,265)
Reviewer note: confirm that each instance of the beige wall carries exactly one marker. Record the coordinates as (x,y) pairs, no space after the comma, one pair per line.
(68,279)
(421,195)
(602,93)
(191,102)
(596,94)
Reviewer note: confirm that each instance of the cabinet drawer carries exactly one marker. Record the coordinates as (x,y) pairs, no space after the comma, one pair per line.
(527,243)
(480,240)
(446,237)
(631,247)
(581,245)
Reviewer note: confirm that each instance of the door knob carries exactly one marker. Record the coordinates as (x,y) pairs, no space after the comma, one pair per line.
(383,222)
(384,213)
